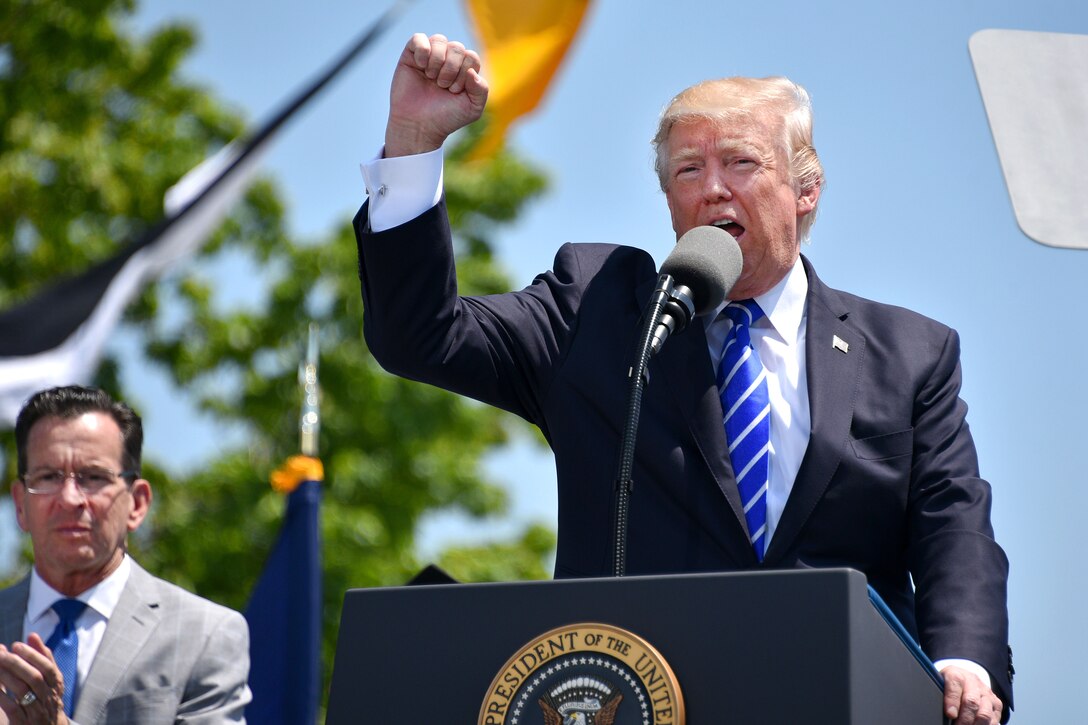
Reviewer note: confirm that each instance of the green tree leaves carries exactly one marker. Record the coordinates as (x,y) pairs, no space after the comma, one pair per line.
(95,125)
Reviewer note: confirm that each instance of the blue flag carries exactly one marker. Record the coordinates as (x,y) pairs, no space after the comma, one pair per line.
(284,616)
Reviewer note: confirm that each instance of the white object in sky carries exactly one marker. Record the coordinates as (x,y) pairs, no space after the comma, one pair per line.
(1035,90)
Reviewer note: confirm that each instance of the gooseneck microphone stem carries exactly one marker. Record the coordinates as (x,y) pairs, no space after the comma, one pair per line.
(637,375)
(694,280)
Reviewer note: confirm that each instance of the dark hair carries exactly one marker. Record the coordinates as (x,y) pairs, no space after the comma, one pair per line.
(72,401)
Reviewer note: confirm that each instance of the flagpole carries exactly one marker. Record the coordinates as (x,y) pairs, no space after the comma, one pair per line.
(309,424)
(284,611)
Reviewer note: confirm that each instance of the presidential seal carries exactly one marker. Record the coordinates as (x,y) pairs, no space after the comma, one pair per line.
(584,674)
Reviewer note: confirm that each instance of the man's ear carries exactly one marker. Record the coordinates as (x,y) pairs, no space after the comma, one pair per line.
(141,503)
(18,497)
(806,201)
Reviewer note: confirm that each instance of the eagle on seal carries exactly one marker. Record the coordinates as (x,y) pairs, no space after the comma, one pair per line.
(583,701)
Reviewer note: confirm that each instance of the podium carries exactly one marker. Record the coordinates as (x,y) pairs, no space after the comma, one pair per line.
(758,648)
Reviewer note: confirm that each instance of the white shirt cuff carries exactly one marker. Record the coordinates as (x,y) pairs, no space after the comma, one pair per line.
(969,666)
(401,188)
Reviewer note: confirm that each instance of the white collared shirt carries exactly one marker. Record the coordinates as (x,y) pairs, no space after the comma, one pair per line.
(101,600)
(779,339)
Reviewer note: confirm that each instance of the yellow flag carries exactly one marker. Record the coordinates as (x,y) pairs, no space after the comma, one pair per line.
(522,44)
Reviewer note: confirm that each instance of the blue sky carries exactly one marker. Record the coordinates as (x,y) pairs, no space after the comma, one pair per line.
(915,213)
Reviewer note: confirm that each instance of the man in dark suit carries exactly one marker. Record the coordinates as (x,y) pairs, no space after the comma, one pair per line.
(146,651)
(871,464)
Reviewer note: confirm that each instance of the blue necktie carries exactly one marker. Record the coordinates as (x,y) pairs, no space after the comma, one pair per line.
(65,645)
(742,387)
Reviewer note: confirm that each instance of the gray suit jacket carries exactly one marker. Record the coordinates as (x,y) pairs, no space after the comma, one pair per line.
(168,656)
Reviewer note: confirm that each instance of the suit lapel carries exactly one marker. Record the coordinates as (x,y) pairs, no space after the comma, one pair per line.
(834,355)
(13,611)
(683,368)
(129,628)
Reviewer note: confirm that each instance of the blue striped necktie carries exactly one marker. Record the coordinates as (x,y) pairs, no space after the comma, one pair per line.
(65,645)
(746,408)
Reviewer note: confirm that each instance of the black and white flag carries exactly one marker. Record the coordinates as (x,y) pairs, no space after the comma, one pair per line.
(57,336)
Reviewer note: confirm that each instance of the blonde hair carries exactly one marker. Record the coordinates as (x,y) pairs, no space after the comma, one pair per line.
(727,99)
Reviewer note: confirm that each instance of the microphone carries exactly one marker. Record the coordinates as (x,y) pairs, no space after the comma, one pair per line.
(702,269)
(695,278)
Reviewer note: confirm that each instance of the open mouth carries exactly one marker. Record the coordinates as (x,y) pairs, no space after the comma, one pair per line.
(732,227)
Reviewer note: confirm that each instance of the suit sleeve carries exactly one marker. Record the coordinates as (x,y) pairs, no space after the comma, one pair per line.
(217,689)
(960,572)
(500,349)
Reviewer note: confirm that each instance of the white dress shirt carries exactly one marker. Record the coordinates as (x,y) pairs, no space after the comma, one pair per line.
(779,340)
(101,600)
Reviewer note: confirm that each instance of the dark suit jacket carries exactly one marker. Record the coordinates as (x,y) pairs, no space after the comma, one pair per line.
(889,484)
(168,656)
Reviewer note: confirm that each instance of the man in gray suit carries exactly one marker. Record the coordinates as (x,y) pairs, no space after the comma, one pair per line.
(126,647)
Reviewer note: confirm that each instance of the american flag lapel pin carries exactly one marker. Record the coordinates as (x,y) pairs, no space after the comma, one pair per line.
(840,344)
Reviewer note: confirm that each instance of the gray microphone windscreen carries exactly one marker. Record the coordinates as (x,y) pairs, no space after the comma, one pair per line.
(707,260)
